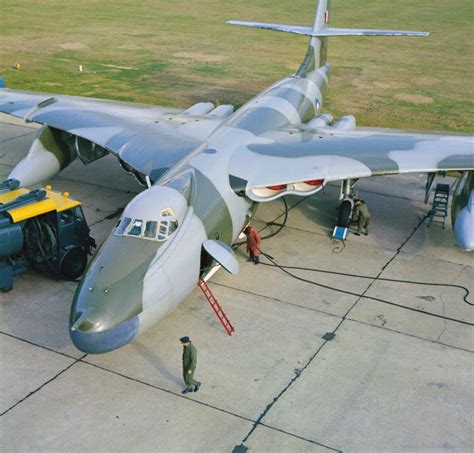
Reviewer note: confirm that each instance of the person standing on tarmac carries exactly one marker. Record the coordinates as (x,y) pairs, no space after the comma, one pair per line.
(253,244)
(363,216)
(189,365)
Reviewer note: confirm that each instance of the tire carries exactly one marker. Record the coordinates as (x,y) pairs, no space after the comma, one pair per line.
(73,263)
(345,213)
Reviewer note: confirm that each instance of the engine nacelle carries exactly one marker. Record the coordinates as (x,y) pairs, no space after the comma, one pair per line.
(323,120)
(301,188)
(48,155)
(346,123)
(199,109)
(462,211)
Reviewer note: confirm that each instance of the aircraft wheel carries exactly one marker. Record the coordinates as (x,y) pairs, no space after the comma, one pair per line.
(345,213)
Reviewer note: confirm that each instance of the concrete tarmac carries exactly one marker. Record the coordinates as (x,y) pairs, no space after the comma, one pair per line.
(391,379)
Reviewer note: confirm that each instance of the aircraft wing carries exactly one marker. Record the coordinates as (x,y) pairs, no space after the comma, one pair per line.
(300,161)
(148,139)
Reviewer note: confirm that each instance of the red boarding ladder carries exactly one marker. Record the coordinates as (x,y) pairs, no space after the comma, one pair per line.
(216,307)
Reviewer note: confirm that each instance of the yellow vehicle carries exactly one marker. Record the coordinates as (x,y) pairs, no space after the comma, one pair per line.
(43,229)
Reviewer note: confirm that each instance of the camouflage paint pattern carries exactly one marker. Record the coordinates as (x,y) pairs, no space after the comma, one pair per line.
(212,166)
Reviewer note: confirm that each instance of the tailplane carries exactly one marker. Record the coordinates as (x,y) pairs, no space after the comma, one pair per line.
(320,32)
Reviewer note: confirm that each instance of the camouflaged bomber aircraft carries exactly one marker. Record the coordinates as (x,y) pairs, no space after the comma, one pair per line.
(206,169)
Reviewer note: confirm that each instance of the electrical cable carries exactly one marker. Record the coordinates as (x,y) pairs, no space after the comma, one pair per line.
(284,269)
(410,282)
(335,250)
(269,224)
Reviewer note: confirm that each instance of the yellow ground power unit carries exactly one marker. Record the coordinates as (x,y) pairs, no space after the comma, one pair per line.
(41,229)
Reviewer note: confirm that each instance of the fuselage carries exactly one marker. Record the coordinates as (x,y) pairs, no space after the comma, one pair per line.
(137,277)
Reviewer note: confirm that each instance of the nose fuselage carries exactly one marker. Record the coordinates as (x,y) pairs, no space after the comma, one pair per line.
(107,303)
(128,280)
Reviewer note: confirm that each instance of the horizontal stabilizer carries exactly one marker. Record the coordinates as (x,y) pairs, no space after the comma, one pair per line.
(325,31)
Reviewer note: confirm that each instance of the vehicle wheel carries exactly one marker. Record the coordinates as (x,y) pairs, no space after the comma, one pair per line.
(73,263)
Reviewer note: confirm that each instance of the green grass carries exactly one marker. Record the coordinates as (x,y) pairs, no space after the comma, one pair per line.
(177,52)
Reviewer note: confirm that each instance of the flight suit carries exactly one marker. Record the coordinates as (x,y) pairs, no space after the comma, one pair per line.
(362,213)
(189,364)
(253,244)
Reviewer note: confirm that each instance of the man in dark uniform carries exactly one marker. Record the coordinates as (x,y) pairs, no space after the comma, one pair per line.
(253,244)
(189,365)
(362,214)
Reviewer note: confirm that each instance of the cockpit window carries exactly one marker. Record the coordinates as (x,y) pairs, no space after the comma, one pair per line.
(168,224)
(122,225)
(136,228)
(168,212)
(150,230)
(155,230)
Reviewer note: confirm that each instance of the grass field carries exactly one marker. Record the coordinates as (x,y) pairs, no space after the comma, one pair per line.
(177,52)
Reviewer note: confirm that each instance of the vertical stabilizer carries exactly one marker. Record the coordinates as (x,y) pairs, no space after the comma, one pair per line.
(316,56)
(317,53)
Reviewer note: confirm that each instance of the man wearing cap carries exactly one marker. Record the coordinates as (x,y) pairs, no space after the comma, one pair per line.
(189,365)
(361,212)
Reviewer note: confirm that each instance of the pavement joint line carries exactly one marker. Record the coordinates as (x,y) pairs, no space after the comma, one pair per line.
(358,321)
(43,385)
(139,381)
(210,406)
(465,266)
(333,315)
(37,345)
(25,125)
(19,136)
(298,437)
(65,178)
(286,388)
(81,359)
(276,300)
(372,282)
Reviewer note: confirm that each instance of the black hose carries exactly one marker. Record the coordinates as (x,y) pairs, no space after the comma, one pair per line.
(268,224)
(284,269)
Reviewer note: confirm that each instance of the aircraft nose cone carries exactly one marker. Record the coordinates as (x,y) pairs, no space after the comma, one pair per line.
(98,342)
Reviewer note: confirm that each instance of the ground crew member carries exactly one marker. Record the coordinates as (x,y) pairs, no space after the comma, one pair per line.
(363,216)
(189,365)
(253,244)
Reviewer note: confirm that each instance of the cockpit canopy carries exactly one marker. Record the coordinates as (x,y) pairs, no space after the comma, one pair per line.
(154,215)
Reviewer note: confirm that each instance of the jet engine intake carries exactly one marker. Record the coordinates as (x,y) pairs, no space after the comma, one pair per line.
(273,192)
(346,123)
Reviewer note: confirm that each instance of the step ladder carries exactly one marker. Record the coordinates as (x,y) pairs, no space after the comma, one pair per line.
(439,209)
(229,328)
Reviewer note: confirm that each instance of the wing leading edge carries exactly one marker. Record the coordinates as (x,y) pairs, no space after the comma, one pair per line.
(148,139)
(293,161)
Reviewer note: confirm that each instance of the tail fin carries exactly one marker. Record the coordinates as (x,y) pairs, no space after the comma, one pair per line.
(320,32)
(317,53)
